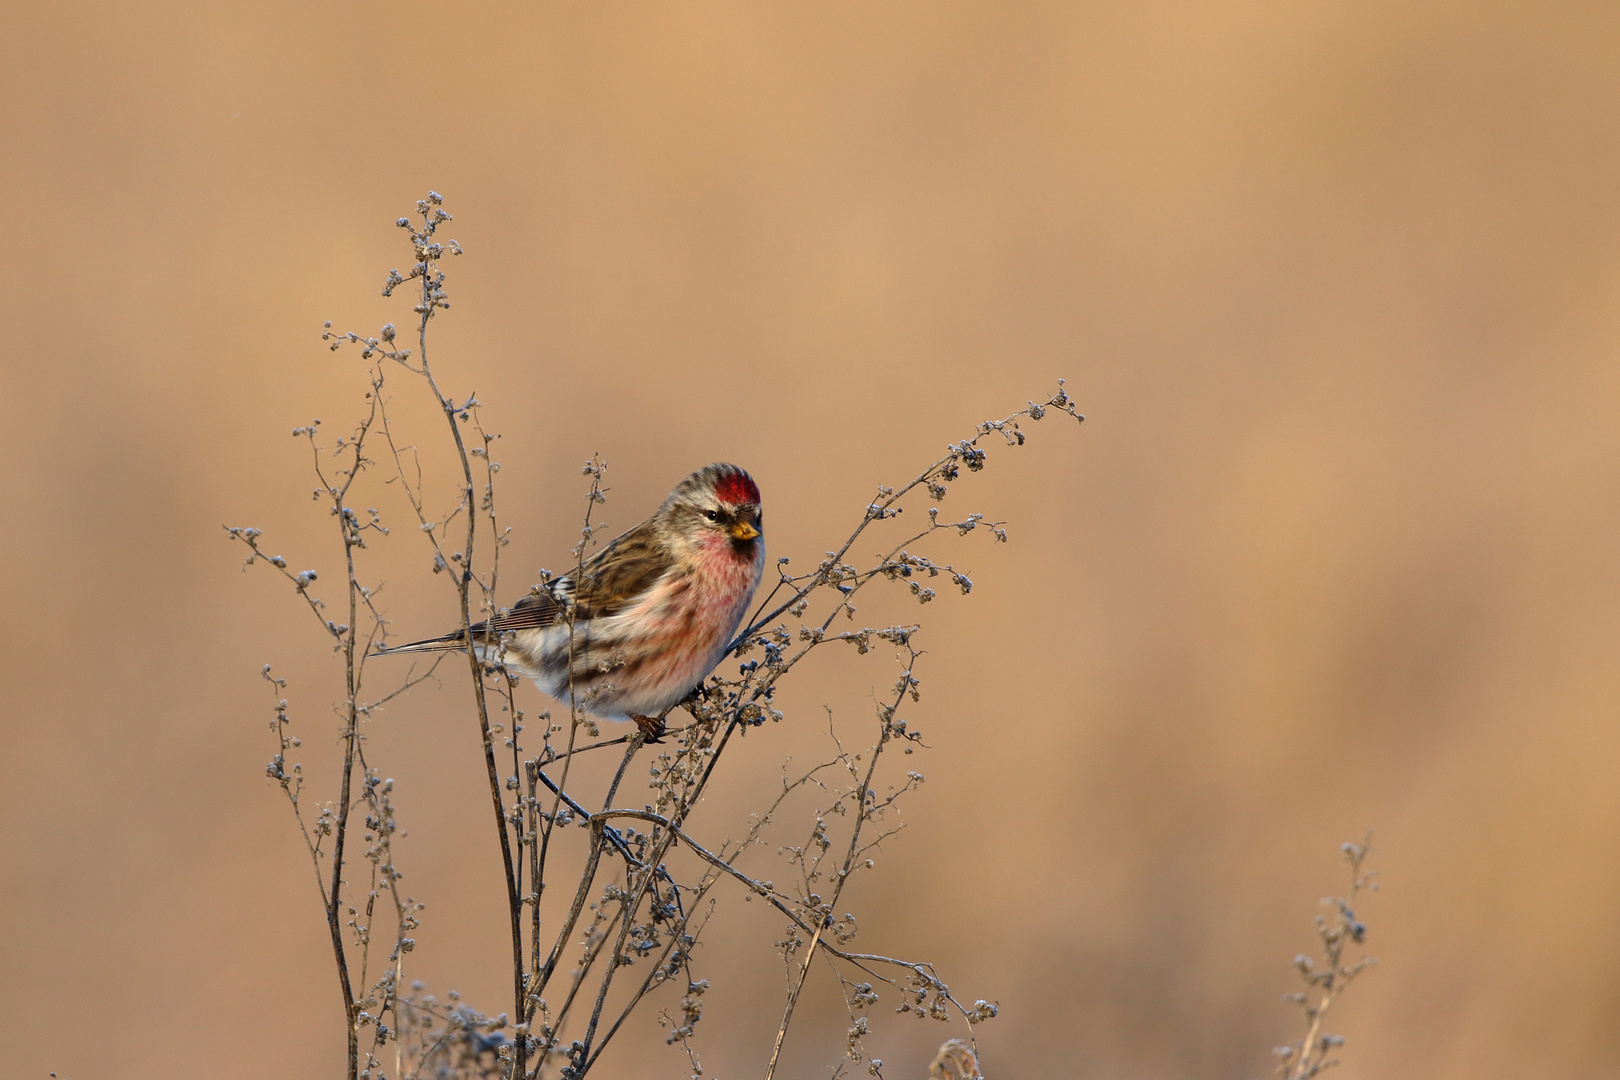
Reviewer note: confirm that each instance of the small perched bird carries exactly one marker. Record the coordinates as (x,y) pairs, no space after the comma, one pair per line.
(653,610)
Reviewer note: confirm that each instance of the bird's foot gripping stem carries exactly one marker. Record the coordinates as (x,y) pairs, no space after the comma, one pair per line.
(652,728)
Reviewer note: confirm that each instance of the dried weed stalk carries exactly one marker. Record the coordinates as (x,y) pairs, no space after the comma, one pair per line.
(1328,977)
(639,899)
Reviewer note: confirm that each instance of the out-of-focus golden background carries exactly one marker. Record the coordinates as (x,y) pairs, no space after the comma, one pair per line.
(1337,286)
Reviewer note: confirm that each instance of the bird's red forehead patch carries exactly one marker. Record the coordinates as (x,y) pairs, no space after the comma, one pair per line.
(737,487)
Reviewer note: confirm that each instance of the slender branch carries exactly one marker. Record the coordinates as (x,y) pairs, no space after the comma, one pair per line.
(647,915)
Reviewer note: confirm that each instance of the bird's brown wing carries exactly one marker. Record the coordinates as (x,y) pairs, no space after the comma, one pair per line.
(537,610)
(609,582)
(615,578)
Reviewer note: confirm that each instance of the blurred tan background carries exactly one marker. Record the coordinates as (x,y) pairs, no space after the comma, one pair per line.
(1337,285)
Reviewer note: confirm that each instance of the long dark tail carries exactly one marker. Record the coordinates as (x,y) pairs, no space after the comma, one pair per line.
(448,643)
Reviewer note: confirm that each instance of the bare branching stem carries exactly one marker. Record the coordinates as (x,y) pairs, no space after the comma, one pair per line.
(1325,981)
(652,909)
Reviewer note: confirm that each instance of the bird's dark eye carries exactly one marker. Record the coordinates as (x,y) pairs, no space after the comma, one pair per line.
(712,515)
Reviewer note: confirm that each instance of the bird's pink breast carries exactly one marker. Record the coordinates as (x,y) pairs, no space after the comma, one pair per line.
(698,612)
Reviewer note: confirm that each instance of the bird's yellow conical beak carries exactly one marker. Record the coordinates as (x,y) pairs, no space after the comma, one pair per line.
(743,531)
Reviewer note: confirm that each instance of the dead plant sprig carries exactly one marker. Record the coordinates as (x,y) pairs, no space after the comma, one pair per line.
(1326,978)
(336,484)
(637,903)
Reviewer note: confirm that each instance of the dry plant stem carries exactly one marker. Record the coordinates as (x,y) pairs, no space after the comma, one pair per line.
(831,573)
(376,794)
(844,872)
(621,740)
(691,797)
(646,916)
(531,774)
(646,880)
(599,832)
(541,974)
(607,980)
(885,505)
(581,894)
(629,752)
(654,859)
(475,667)
(432,299)
(1308,1057)
(351,529)
(859,960)
(860,794)
(679,930)
(351,734)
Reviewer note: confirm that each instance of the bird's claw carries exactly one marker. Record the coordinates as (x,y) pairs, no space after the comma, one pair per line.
(652,728)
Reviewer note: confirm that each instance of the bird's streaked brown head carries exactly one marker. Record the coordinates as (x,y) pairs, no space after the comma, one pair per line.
(720,497)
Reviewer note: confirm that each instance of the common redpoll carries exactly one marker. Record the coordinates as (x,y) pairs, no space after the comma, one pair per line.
(653,611)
